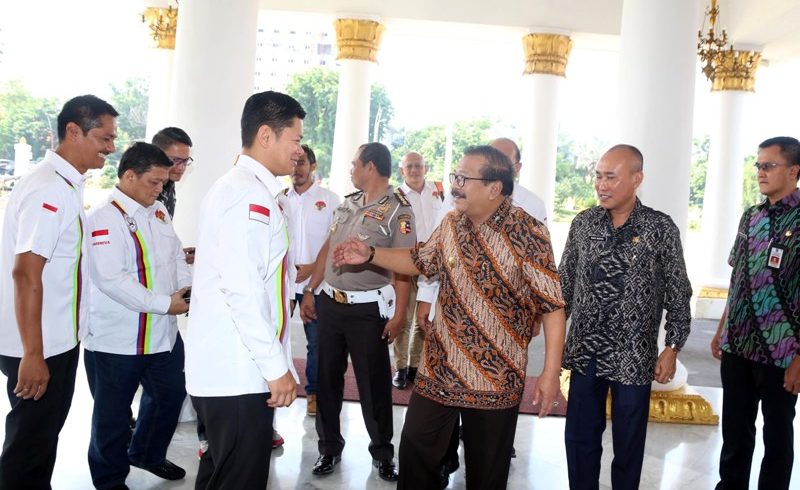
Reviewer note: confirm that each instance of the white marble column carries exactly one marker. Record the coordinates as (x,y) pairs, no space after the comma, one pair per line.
(732,88)
(358,41)
(546,55)
(213,76)
(161,27)
(656,93)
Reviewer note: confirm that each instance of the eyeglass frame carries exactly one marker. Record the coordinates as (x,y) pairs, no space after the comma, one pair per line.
(187,162)
(455,178)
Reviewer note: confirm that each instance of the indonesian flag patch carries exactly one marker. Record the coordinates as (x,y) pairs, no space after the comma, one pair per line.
(259,213)
(49,207)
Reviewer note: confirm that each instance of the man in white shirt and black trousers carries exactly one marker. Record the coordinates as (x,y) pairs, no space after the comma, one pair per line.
(139,275)
(238,350)
(43,297)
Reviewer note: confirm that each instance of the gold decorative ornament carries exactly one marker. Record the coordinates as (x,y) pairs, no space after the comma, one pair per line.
(681,406)
(546,53)
(725,67)
(358,39)
(163,23)
(713,293)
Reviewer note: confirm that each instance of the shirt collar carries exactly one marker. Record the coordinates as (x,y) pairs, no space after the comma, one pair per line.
(496,219)
(309,191)
(127,204)
(788,202)
(64,168)
(408,190)
(633,218)
(262,173)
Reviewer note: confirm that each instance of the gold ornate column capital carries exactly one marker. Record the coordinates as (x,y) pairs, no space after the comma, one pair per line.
(358,39)
(735,70)
(163,23)
(546,53)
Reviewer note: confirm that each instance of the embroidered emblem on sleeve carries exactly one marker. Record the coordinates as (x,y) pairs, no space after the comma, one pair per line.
(259,213)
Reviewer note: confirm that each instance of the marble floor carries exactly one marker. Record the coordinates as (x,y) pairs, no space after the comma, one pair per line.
(677,456)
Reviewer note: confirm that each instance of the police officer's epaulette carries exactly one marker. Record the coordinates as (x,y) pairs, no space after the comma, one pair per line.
(355,195)
(401,197)
(285,191)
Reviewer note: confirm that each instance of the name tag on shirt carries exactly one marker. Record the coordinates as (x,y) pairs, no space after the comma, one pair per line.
(775,258)
(597,238)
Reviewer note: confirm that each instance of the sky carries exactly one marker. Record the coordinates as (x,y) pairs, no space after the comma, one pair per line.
(434,72)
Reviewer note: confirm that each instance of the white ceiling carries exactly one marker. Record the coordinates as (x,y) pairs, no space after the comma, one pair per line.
(770,25)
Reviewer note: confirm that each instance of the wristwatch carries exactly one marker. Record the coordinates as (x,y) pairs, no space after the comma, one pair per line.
(674,347)
(308,289)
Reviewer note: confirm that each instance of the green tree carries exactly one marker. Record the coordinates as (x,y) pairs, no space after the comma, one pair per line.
(751,195)
(317,90)
(25,115)
(575,163)
(130,99)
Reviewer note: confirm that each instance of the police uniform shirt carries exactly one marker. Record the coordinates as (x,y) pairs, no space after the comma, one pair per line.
(238,335)
(45,216)
(309,216)
(386,222)
(136,263)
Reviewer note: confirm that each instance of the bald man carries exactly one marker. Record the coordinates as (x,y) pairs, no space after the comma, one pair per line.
(622,267)
(426,201)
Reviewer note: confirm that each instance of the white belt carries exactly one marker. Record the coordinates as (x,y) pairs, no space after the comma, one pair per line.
(384,296)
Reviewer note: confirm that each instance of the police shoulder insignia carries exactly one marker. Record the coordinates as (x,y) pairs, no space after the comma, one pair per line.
(404,222)
(401,197)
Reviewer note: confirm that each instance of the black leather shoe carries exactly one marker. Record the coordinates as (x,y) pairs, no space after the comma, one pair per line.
(385,469)
(166,470)
(400,380)
(412,374)
(325,464)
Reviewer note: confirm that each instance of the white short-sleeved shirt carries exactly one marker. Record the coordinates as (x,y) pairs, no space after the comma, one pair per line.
(45,216)
(238,335)
(426,205)
(309,216)
(136,263)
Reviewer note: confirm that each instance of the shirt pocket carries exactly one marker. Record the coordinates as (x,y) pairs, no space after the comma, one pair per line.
(374,232)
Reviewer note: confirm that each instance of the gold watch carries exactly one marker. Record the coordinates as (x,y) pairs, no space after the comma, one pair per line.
(308,289)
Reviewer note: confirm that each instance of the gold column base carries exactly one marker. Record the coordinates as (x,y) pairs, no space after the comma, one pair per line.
(681,406)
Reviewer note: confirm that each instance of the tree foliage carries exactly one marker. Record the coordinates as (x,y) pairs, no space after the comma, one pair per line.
(130,99)
(25,115)
(317,91)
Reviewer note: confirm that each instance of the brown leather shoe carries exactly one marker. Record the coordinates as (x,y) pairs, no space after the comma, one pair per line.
(311,405)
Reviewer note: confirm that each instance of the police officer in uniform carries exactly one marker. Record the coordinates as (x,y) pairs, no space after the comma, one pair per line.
(361,311)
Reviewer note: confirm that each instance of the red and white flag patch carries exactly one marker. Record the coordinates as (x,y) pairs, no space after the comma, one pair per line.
(49,207)
(97,233)
(259,213)
(100,237)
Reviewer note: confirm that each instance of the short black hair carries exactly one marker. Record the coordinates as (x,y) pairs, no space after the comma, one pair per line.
(274,109)
(312,158)
(141,157)
(790,148)
(379,155)
(497,167)
(637,155)
(170,136)
(85,111)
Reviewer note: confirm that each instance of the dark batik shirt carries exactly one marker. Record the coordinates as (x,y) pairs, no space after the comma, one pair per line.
(617,283)
(763,321)
(167,197)
(494,279)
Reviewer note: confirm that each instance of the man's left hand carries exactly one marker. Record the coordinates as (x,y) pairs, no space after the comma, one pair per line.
(546,391)
(392,329)
(666,365)
(791,379)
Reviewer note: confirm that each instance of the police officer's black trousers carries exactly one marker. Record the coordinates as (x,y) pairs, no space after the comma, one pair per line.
(32,426)
(357,330)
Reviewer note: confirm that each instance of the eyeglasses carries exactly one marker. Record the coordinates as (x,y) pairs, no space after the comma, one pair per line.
(460,180)
(182,161)
(413,167)
(767,166)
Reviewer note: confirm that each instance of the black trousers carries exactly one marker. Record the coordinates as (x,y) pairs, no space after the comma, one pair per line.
(239,432)
(744,384)
(428,431)
(354,329)
(32,427)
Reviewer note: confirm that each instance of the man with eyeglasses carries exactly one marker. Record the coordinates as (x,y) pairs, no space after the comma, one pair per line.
(497,274)
(178,147)
(758,338)
(622,266)
(426,200)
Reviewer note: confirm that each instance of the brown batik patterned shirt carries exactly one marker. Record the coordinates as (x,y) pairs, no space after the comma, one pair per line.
(494,279)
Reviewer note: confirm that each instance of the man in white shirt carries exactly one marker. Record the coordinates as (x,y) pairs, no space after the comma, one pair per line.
(139,275)
(238,351)
(426,202)
(309,208)
(43,279)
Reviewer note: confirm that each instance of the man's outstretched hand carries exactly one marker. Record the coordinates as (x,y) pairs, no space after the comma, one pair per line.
(350,252)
